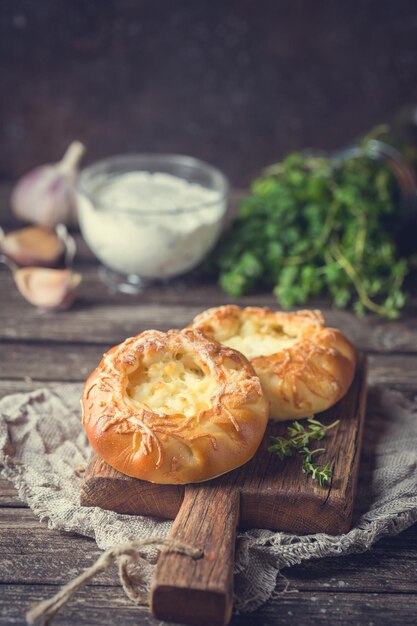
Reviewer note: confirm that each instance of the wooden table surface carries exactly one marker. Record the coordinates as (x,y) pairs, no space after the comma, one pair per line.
(378,587)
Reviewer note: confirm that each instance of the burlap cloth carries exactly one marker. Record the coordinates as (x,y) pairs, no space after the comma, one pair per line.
(42,443)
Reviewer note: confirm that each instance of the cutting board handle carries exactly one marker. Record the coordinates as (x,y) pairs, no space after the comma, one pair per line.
(199,591)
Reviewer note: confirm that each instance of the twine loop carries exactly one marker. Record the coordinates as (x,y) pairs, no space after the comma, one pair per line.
(124,554)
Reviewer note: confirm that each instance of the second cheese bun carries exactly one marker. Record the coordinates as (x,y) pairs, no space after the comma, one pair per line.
(304,366)
(174,407)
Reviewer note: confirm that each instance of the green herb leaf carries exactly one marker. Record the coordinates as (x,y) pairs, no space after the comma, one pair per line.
(317,226)
(299,438)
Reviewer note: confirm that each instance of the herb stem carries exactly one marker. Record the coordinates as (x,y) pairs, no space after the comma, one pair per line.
(320,241)
(357,282)
(360,242)
(298,440)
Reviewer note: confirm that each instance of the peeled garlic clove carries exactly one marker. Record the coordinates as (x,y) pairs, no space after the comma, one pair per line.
(46,288)
(35,245)
(46,195)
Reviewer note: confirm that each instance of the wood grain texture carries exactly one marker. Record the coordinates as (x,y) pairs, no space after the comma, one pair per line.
(103,605)
(108,488)
(101,318)
(199,591)
(9,496)
(54,556)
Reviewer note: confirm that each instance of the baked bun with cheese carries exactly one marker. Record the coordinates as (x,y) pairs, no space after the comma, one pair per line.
(174,407)
(304,366)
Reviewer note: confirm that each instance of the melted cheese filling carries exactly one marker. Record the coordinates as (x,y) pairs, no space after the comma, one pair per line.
(172,387)
(256,339)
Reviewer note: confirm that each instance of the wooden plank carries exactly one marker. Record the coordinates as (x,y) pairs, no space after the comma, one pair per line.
(73,362)
(68,362)
(95,606)
(377,570)
(199,591)
(391,370)
(98,317)
(91,606)
(54,556)
(9,496)
(26,384)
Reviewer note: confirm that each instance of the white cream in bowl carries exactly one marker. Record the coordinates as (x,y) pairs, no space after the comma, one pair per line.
(154,225)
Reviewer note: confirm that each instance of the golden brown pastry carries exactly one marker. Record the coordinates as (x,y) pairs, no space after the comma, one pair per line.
(174,407)
(304,366)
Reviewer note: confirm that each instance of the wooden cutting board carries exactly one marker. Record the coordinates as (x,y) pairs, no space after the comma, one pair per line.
(264,493)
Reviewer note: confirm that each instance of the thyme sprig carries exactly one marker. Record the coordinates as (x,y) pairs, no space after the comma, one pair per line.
(321,473)
(298,440)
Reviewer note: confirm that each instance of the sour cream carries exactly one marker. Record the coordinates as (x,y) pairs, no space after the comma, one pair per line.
(154,225)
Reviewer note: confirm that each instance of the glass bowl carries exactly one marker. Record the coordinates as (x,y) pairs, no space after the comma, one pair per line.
(150,217)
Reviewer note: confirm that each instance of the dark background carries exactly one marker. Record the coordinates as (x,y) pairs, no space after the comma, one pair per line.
(237,83)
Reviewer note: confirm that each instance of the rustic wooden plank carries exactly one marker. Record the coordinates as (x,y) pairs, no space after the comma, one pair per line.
(26,384)
(68,362)
(392,370)
(9,496)
(380,569)
(95,606)
(333,609)
(199,591)
(73,362)
(91,606)
(54,556)
(98,317)
(108,488)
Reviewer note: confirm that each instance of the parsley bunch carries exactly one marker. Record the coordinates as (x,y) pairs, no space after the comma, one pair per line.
(316,226)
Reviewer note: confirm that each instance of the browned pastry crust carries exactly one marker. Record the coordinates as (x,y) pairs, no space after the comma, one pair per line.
(174,407)
(304,367)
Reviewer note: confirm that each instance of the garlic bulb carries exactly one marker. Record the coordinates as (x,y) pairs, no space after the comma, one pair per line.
(35,245)
(46,195)
(48,289)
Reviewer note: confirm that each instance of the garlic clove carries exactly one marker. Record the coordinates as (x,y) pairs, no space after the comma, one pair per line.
(35,245)
(46,195)
(48,289)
